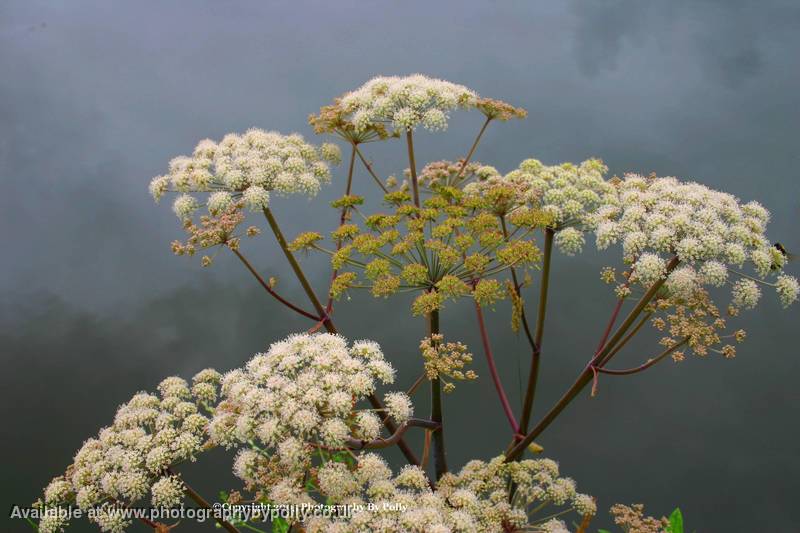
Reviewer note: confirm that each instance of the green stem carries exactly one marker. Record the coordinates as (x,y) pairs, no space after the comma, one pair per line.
(298,271)
(199,500)
(368,166)
(588,373)
(472,149)
(525,327)
(342,219)
(412,165)
(530,392)
(439,457)
(269,289)
(328,323)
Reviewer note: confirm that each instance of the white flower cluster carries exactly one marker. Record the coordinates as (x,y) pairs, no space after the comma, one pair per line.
(405,102)
(710,232)
(245,167)
(130,458)
(474,500)
(303,392)
(569,194)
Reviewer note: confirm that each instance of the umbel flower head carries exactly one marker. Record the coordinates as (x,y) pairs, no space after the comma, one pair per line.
(389,105)
(696,239)
(452,246)
(240,172)
(130,459)
(301,395)
(446,360)
(713,235)
(567,194)
(475,500)
(245,166)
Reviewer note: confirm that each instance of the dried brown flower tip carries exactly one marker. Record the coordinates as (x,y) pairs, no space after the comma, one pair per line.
(333,119)
(632,520)
(497,109)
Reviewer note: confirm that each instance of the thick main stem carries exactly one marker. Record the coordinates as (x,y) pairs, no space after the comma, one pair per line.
(533,376)
(412,166)
(329,326)
(586,375)
(439,457)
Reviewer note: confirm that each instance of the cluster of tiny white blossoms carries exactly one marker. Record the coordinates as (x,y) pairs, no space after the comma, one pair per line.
(474,500)
(132,456)
(302,394)
(567,194)
(710,232)
(405,102)
(245,168)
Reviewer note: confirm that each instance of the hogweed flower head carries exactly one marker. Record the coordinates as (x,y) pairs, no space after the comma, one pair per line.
(130,458)
(452,246)
(403,103)
(712,233)
(387,106)
(710,237)
(563,197)
(476,499)
(298,396)
(237,174)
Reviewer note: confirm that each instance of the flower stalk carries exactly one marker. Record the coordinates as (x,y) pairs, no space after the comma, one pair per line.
(412,166)
(585,377)
(530,391)
(439,455)
(328,323)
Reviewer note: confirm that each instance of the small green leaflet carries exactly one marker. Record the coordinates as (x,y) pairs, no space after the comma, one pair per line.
(675,521)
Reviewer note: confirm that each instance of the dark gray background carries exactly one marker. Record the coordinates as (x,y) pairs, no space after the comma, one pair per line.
(96,97)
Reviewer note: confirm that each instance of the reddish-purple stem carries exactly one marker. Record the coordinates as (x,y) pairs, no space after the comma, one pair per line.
(271,291)
(644,366)
(498,385)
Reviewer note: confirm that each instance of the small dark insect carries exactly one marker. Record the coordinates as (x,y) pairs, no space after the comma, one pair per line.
(789,257)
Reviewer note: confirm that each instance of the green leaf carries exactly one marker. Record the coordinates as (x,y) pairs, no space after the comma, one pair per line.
(676,521)
(32,524)
(280,525)
(603,531)
(343,457)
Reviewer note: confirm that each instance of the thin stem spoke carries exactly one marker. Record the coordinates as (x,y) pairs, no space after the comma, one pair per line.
(270,290)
